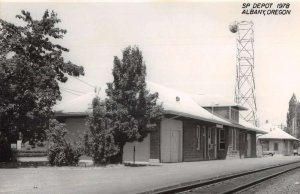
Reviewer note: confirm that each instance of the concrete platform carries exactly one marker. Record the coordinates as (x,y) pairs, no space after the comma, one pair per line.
(43,161)
(123,179)
(32,159)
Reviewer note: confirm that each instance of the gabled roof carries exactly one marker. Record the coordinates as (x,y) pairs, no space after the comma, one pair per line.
(173,101)
(77,106)
(205,100)
(182,104)
(275,133)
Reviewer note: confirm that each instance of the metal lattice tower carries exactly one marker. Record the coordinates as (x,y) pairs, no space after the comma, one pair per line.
(245,81)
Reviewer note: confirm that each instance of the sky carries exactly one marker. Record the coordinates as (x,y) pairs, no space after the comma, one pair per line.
(186,46)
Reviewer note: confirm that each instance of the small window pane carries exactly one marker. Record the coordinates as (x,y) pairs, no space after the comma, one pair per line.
(222,139)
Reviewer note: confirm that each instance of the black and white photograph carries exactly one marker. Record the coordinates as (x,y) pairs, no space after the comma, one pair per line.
(149,97)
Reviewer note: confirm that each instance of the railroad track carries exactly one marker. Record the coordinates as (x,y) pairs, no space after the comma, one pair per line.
(232,183)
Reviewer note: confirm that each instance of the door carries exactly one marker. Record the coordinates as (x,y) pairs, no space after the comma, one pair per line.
(175,146)
(209,143)
(212,143)
(286,148)
(242,145)
(248,145)
(171,140)
(204,132)
(215,142)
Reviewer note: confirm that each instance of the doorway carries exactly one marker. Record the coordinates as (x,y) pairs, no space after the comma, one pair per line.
(248,145)
(171,140)
(212,143)
(175,146)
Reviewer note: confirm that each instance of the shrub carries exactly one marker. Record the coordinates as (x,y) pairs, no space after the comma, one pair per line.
(6,153)
(99,141)
(60,151)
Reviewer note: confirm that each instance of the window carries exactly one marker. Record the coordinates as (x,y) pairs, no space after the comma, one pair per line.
(233,139)
(234,114)
(275,146)
(221,139)
(198,131)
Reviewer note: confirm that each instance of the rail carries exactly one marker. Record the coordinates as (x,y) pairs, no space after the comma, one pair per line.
(229,184)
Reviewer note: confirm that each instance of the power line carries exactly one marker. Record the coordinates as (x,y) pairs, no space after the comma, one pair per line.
(73,90)
(70,92)
(85,82)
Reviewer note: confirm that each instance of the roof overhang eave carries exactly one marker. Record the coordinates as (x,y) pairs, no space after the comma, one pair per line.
(250,129)
(187,115)
(241,107)
(278,138)
(212,120)
(257,131)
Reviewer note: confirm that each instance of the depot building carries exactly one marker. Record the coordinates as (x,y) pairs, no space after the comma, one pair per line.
(192,129)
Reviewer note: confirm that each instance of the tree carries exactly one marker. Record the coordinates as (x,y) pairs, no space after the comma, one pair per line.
(31,66)
(291,114)
(130,106)
(99,142)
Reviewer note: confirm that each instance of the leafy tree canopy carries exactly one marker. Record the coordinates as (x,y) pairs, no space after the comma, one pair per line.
(291,120)
(130,106)
(99,141)
(31,66)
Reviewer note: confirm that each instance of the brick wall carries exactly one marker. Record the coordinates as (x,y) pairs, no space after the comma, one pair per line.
(76,127)
(190,143)
(190,152)
(220,111)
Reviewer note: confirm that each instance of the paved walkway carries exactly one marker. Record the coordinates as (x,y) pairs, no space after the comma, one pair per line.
(32,159)
(121,179)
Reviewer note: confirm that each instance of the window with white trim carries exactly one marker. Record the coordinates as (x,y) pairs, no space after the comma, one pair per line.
(221,139)
(198,131)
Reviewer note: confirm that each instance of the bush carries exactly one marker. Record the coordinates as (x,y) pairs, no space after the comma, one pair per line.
(100,147)
(60,151)
(6,153)
(99,141)
(63,155)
